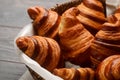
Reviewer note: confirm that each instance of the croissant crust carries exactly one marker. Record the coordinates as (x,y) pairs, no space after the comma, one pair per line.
(89,11)
(75,74)
(74,38)
(106,43)
(109,69)
(45,51)
(45,22)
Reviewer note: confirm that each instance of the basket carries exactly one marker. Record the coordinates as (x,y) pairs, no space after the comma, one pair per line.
(60,8)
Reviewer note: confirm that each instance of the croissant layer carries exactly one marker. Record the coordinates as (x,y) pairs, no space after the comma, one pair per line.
(74,38)
(117,13)
(45,51)
(109,69)
(75,74)
(106,43)
(45,22)
(89,11)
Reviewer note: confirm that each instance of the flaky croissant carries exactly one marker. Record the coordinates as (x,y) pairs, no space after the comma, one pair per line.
(117,13)
(109,69)
(45,51)
(91,15)
(115,16)
(74,38)
(106,43)
(75,74)
(45,21)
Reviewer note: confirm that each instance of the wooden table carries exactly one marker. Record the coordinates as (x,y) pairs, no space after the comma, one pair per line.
(13,17)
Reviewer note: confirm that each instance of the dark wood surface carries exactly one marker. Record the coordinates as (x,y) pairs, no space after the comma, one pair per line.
(13,17)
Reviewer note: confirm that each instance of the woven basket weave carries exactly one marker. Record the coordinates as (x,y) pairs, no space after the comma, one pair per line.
(60,8)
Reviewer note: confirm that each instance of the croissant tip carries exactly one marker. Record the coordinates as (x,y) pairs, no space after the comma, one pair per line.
(33,12)
(113,24)
(21,43)
(118,23)
(56,71)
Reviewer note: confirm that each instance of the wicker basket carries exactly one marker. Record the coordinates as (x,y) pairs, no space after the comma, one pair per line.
(60,8)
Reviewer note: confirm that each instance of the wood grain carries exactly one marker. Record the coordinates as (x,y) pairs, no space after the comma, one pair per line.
(7,51)
(11,70)
(10,66)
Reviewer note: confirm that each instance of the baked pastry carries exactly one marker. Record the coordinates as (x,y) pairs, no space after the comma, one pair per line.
(106,43)
(74,38)
(109,69)
(45,51)
(115,16)
(112,19)
(117,13)
(92,15)
(45,22)
(75,74)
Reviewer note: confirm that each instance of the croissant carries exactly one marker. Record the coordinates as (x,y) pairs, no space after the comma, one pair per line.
(106,43)
(112,19)
(109,69)
(43,50)
(117,13)
(92,15)
(45,21)
(115,16)
(74,38)
(75,74)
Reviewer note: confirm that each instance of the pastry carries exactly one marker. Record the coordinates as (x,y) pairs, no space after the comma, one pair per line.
(112,19)
(109,69)
(75,74)
(45,51)
(106,43)
(115,16)
(45,22)
(37,12)
(117,13)
(74,38)
(92,15)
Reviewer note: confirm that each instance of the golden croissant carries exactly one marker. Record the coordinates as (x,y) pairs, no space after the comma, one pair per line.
(45,51)
(75,74)
(106,43)
(115,16)
(109,69)
(45,21)
(74,38)
(117,13)
(92,15)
